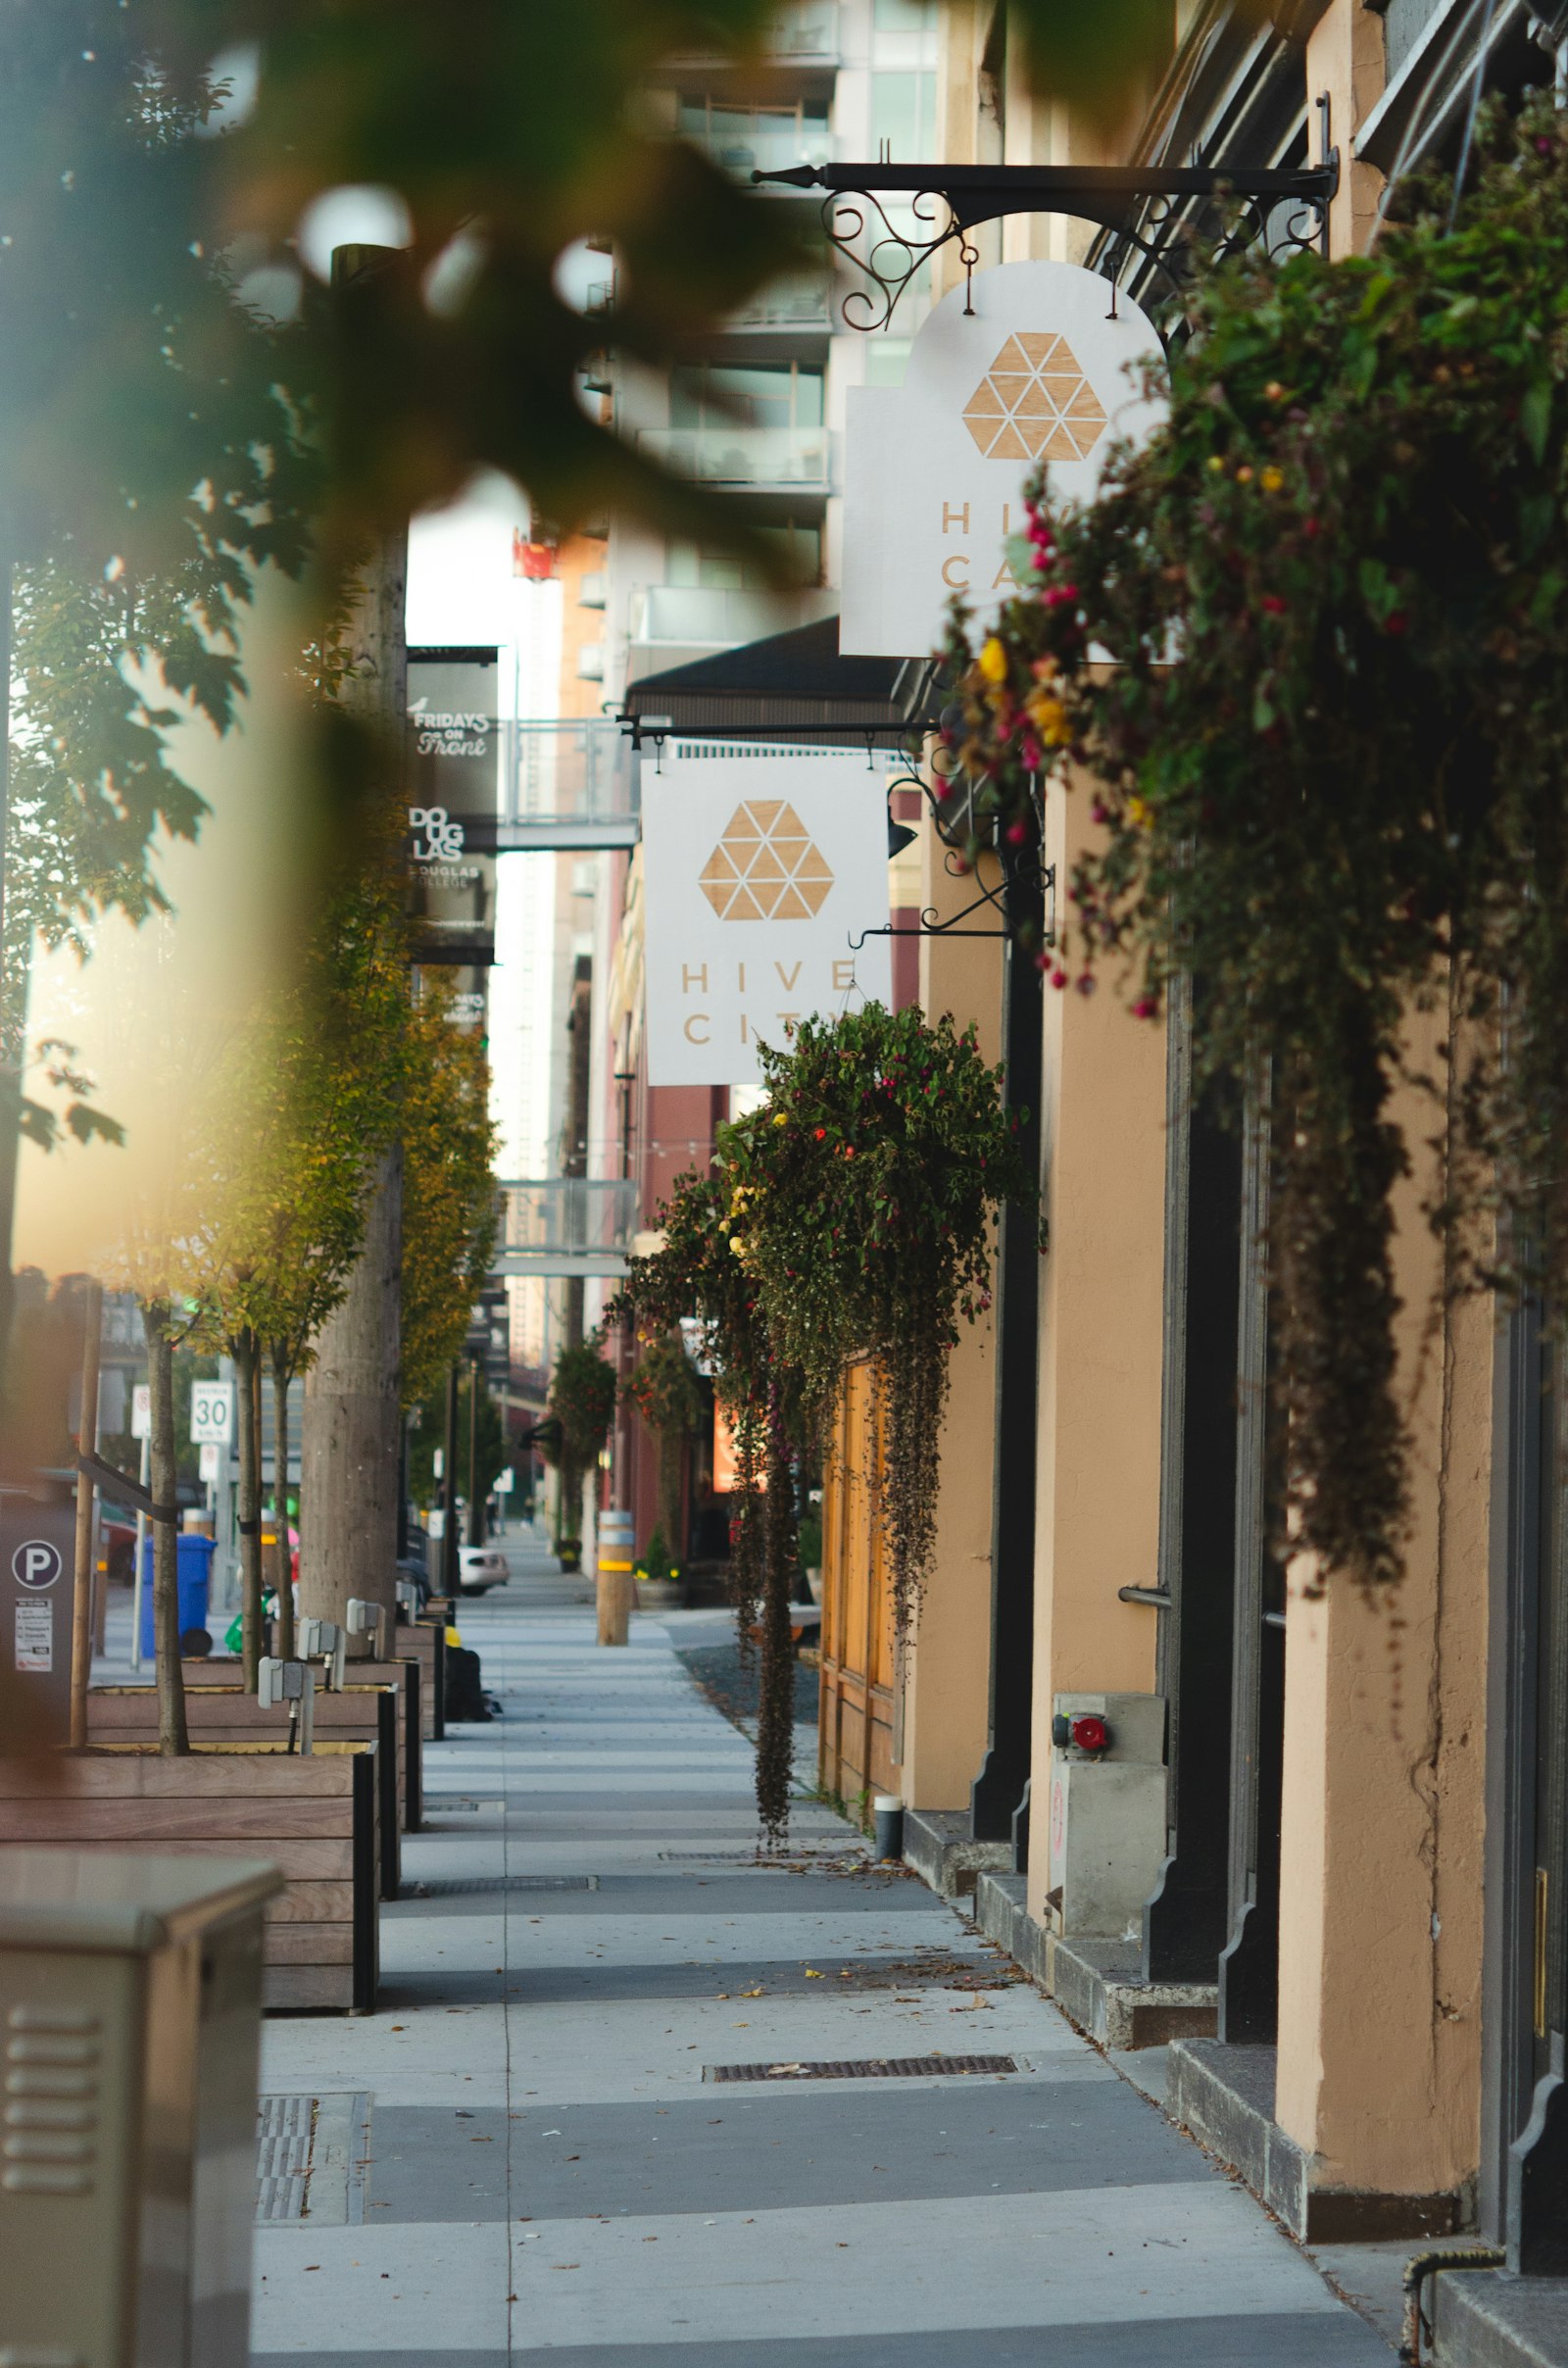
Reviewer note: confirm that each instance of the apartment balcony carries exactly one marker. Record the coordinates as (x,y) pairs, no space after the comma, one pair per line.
(767,459)
(565,1226)
(804,34)
(673,624)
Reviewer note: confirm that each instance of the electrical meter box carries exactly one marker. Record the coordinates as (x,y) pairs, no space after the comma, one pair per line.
(131,1995)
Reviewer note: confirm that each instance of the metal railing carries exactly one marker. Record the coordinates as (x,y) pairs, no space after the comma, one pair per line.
(566,785)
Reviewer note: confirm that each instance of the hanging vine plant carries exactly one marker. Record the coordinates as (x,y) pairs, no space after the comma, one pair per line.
(582,1400)
(1329,760)
(861,1204)
(666,1390)
(851,1215)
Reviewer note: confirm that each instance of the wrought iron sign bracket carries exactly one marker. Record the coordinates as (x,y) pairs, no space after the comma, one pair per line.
(1144,208)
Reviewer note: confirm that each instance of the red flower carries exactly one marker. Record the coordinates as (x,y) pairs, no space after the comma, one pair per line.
(1396,622)
(1272,605)
(821,1134)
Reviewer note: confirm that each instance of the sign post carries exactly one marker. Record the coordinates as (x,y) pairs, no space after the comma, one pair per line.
(141,1427)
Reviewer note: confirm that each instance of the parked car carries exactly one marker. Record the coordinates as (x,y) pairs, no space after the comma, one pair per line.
(481,1568)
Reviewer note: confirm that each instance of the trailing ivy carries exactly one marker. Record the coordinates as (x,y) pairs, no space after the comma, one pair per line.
(848,1216)
(1329,760)
(582,1401)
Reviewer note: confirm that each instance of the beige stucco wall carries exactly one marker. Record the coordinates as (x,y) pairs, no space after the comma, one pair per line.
(946,1664)
(1096,1518)
(1344,57)
(1383,1813)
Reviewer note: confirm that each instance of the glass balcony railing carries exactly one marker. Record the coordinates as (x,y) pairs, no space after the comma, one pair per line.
(566,785)
(565,1226)
(763,147)
(743,456)
(789,304)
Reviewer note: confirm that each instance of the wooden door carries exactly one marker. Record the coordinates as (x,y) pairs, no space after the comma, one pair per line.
(857,1702)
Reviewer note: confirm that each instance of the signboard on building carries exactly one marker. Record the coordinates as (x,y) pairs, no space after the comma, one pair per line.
(758,872)
(454,721)
(1048,366)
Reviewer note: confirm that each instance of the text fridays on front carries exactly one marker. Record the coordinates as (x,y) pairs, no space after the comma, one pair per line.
(694,981)
(956,520)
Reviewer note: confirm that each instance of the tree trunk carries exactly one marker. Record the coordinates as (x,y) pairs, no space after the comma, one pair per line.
(282,1576)
(353,1418)
(353,1399)
(246,1354)
(475,1511)
(173,1739)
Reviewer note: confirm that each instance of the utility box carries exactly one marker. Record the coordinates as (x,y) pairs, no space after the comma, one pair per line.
(1108,1813)
(131,1995)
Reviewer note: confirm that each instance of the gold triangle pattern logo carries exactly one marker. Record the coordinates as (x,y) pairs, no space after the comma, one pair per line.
(765,868)
(1035,404)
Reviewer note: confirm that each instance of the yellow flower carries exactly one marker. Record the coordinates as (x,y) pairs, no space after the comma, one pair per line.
(781,1118)
(1216,465)
(736,1244)
(1272,479)
(1138,812)
(1050,720)
(993,661)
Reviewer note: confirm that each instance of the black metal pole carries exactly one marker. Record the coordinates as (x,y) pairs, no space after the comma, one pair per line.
(998,1798)
(476,1509)
(449,1490)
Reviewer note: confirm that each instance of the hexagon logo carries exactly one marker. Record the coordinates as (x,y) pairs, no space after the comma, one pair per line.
(765,868)
(1035,404)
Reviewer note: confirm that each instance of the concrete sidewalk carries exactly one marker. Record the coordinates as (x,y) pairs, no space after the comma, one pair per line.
(528,2149)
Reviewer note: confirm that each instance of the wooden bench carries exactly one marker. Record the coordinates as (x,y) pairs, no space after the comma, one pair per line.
(315,1818)
(227,1716)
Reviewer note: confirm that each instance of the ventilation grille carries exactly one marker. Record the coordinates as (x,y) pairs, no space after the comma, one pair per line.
(868,2067)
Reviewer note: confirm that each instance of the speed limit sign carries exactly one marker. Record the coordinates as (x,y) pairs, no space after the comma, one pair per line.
(212,1413)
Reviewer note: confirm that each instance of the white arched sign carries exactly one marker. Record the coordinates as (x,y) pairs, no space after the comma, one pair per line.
(1042,369)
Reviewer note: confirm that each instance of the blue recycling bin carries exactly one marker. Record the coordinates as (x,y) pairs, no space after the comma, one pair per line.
(193,1565)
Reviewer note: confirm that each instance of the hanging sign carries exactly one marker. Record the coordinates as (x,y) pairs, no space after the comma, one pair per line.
(1043,369)
(456,734)
(757,871)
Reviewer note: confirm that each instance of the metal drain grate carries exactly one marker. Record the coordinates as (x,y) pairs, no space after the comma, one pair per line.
(311,2156)
(868,2067)
(453,1887)
(284,2131)
(847,1855)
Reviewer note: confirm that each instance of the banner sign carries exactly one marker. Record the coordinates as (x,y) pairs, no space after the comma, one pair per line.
(1046,367)
(454,721)
(757,870)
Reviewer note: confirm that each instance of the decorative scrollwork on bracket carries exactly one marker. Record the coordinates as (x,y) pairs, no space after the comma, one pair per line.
(859,228)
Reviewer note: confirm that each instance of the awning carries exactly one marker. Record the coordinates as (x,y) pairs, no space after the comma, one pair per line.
(788,686)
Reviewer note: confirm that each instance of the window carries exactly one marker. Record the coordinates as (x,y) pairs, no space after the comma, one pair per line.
(886,360)
(903,113)
(903,15)
(697,567)
(761,394)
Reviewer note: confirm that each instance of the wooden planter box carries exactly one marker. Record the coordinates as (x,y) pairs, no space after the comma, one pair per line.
(227,1717)
(425,1643)
(403,1674)
(317,1819)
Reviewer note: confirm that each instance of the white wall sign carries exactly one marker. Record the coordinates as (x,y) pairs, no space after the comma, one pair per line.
(212,1413)
(142,1410)
(210,1465)
(757,870)
(935,468)
(35,1636)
